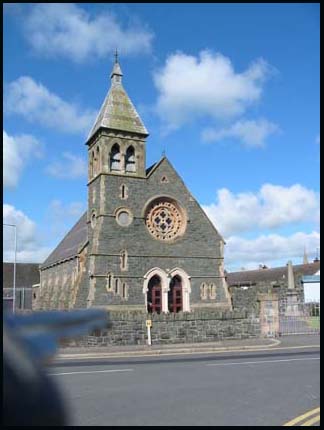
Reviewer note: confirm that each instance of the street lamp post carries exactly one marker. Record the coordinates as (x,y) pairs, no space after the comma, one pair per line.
(14,274)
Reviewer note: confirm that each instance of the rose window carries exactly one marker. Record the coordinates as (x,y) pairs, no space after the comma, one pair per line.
(165,219)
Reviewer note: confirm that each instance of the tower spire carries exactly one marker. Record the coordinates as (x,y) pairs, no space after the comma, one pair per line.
(116,74)
(117,111)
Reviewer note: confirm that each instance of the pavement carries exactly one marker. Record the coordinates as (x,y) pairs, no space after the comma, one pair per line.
(255,344)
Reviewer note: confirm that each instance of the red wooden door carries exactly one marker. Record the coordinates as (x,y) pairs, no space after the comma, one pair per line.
(175,295)
(156,298)
(177,298)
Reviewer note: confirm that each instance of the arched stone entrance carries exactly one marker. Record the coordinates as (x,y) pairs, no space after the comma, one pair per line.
(150,282)
(180,274)
(167,292)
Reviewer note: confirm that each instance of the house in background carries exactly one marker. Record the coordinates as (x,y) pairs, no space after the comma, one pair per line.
(27,276)
(312,293)
(312,287)
(288,282)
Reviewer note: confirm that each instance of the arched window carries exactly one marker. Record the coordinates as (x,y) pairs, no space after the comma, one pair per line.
(116,286)
(98,160)
(95,163)
(154,295)
(212,291)
(123,192)
(92,166)
(93,219)
(175,295)
(124,291)
(109,281)
(115,158)
(203,291)
(130,159)
(123,259)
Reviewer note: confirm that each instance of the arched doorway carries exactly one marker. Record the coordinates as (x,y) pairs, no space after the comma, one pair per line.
(154,295)
(175,294)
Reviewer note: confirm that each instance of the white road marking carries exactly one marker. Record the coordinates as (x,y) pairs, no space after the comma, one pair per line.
(262,361)
(93,371)
(155,353)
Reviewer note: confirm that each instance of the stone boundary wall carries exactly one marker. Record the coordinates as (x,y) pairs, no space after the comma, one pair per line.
(129,328)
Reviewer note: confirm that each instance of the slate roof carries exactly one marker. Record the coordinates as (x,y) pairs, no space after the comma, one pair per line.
(70,245)
(270,275)
(27,274)
(117,111)
(150,168)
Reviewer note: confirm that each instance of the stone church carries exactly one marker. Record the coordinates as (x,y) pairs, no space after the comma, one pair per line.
(144,242)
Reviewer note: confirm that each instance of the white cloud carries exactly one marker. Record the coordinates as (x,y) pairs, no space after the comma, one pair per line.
(269,249)
(29,249)
(17,151)
(193,87)
(59,210)
(66,30)
(252,133)
(61,217)
(71,167)
(272,206)
(30,238)
(34,102)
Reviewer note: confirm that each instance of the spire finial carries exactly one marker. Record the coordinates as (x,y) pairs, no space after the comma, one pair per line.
(116,73)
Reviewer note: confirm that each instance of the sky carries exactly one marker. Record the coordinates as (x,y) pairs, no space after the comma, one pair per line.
(230,92)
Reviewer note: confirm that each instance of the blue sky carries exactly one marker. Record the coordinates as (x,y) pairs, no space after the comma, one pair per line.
(229,91)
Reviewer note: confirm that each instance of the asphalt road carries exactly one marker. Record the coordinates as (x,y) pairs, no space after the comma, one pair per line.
(241,389)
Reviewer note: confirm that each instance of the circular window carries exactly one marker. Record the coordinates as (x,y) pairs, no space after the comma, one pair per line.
(124,217)
(165,219)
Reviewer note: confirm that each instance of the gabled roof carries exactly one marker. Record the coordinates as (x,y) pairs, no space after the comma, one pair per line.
(155,168)
(70,245)
(27,274)
(269,275)
(117,111)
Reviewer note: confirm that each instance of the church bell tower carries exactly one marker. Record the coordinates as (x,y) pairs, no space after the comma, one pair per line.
(116,154)
(116,142)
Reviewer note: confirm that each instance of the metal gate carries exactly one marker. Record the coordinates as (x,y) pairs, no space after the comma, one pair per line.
(299,318)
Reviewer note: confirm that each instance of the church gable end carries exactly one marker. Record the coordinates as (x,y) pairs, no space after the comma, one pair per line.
(166,181)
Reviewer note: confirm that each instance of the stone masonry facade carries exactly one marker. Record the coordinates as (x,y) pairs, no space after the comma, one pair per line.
(198,326)
(199,252)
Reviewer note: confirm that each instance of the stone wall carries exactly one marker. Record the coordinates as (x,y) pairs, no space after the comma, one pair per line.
(59,284)
(246,298)
(129,328)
